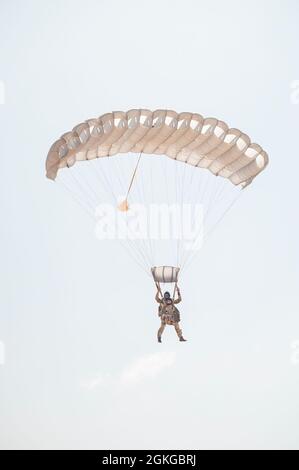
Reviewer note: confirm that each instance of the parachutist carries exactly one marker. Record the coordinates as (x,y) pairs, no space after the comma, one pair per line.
(169,313)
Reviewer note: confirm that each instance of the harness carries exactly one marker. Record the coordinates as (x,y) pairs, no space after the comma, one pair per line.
(169,313)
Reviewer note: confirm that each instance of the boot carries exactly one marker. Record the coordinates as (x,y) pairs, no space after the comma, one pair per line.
(159,339)
(182,338)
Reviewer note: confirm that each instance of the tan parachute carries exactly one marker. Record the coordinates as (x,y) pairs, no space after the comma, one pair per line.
(186,137)
(197,149)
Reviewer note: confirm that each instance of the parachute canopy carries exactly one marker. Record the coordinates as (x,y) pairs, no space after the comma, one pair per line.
(166,164)
(186,137)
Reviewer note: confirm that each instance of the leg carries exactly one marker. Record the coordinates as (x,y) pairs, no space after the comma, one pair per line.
(178,331)
(160,330)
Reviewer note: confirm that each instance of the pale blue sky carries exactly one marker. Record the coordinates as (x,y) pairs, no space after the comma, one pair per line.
(82,368)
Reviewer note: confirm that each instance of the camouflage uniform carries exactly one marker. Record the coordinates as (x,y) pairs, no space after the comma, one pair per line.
(169,315)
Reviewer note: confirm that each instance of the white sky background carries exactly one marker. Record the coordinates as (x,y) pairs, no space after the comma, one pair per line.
(82,368)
